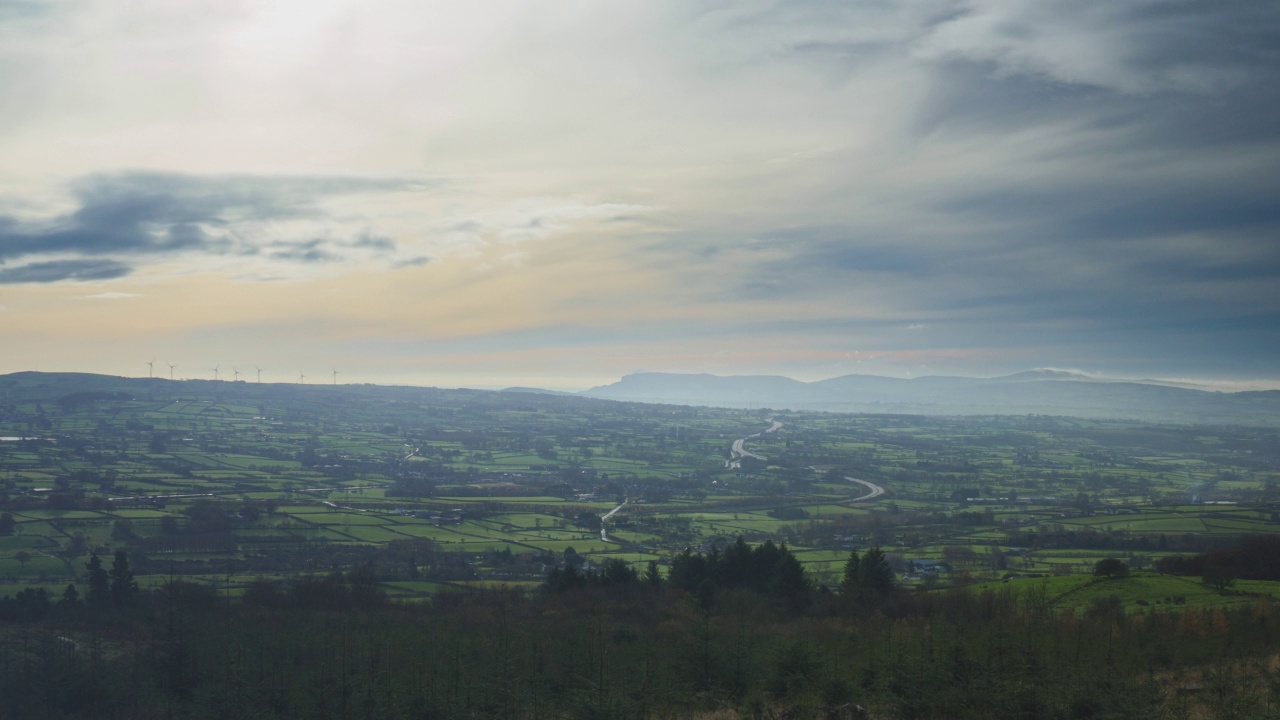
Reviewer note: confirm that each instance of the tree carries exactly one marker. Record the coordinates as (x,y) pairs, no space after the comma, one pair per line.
(7,524)
(1218,577)
(687,571)
(851,580)
(875,573)
(70,596)
(789,579)
(122,530)
(652,577)
(99,582)
(617,572)
(23,557)
(571,557)
(1110,568)
(589,520)
(78,546)
(123,587)
(705,595)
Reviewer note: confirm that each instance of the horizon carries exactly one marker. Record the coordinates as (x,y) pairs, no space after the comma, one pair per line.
(553,195)
(1204,385)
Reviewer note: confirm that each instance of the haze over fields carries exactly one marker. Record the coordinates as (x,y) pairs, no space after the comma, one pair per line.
(559,194)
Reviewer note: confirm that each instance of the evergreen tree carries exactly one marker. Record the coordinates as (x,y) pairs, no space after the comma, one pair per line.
(652,577)
(123,587)
(765,560)
(788,579)
(736,564)
(705,594)
(852,578)
(875,573)
(687,571)
(99,582)
(617,572)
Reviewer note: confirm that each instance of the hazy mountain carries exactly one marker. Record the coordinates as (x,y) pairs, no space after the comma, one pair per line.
(1049,392)
(536,391)
(703,389)
(1042,392)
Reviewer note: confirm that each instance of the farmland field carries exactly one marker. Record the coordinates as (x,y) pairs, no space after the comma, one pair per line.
(463,488)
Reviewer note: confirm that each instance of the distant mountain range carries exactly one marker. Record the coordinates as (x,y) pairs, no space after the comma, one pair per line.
(1046,392)
(1040,392)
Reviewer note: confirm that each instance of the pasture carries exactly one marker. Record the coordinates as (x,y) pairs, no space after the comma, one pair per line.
(238,479)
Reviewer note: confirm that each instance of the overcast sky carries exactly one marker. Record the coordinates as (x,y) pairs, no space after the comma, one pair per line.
(559,193)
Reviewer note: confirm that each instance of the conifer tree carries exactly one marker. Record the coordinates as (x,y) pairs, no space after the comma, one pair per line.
(875,573)
(852,578)
(867,575)
(70,596)
(123,587)
(99,582)
(788,579)
(652,577)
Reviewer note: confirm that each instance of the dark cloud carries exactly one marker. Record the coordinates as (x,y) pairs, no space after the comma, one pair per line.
(1225,34)
(153,214)
(59,270)
(412,262)
(1116,175)
(310,251)
(1130,47)
(374,242)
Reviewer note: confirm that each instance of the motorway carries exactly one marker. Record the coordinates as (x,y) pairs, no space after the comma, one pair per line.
(873,490)
(738,452)
(604,531)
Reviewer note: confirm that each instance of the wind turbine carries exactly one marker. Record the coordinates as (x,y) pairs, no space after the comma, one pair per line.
(215,373)
(171,367)
(236,378)
(259,373)
(335,376)
(150,369)
(302,379)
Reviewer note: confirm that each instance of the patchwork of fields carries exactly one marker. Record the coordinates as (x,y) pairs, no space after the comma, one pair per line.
(230,482)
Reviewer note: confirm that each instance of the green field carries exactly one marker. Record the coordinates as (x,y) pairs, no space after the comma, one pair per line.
(236,479)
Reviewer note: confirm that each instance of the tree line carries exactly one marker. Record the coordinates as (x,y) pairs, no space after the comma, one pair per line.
(332,645)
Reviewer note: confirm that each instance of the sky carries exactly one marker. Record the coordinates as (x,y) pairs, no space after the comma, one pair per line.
(558,193)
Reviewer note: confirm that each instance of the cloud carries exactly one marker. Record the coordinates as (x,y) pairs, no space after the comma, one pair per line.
(145,216)
(306,252)
(528,219)
(1055,179)
(373,242)
(109,296)
(1107,170)
(11,10)
(412,262)
(59,270)
(1132,47)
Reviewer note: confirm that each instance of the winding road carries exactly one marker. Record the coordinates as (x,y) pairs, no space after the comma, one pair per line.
(737,453)
(874,490)
(604,530)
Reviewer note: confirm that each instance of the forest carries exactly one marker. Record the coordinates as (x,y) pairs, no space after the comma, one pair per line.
(627,646)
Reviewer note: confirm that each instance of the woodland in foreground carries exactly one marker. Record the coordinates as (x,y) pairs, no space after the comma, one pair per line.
(732,634)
